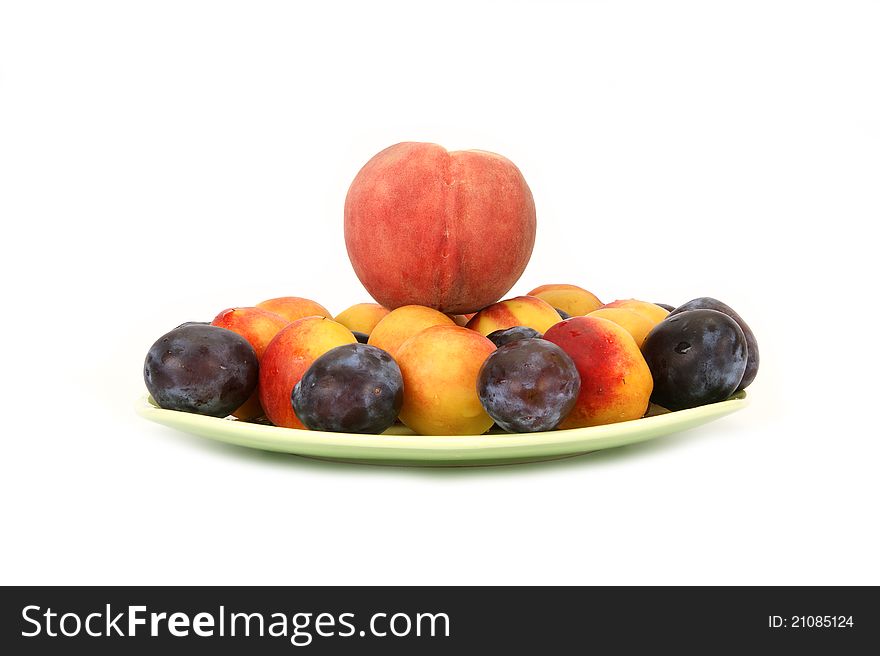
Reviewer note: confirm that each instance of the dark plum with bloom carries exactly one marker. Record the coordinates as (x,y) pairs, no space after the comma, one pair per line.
(528,385)
(354,388)
(695,357)
(202,369)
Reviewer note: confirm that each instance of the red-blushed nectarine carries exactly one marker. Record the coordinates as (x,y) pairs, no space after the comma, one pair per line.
(636,324)
(404,322)
(288,356)
(616,383)
(362,317)
(294,307)
(258,327)
(527,311)
(448,230)
(651,311)
(575,300)
(440,366)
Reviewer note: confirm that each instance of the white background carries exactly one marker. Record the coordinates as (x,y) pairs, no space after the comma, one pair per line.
(162,161)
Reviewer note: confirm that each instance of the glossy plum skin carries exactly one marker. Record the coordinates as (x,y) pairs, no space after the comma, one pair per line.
(507,335)
(562,313)
(354,388)
(202,369)
(695,357)
(709,303)
(665,306)
(528,385)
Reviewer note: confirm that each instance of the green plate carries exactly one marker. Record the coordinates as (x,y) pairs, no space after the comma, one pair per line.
(400,446)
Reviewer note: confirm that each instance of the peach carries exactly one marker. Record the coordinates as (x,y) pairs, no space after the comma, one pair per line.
(636,324)
(462,319)
(404,322)
(440,367)
(448,230)
(294,307)
(362,317)
(616,383)
(520,311)
(258,327)
(651,311)
(288,356)
(575,300)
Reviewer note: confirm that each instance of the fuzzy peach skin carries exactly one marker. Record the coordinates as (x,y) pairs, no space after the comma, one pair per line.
(519,311)
(448,230)
(362,317)
(258,327)
(294,307)
(636,324)
(440,367)
(404,322)
(288,356)
(651,311)
(575,300)
(616,383)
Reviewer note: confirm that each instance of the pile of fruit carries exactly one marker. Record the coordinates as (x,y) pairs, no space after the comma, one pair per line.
(424,229)
(287,359)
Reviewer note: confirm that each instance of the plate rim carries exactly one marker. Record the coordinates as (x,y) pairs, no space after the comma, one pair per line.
(446,446)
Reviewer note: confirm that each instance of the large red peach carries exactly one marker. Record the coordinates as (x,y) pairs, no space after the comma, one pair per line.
(616,383)
(519,311)
(362,317)
(575,300)
(294,307)
(440,367)
(258,327)
(288,356)
(404,322)
(448,230)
